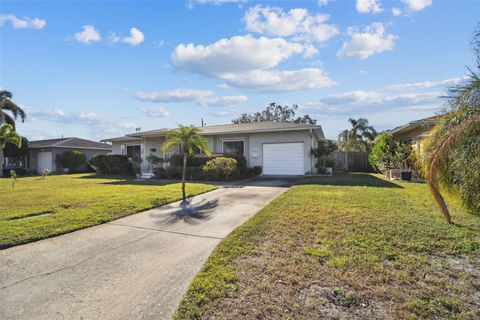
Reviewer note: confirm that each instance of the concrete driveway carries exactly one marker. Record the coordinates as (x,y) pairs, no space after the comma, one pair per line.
(136,267)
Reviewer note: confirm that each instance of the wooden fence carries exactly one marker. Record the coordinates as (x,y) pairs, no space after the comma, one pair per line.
(351,161)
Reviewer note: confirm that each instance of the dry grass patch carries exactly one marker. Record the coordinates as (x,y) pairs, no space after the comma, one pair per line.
(347,247)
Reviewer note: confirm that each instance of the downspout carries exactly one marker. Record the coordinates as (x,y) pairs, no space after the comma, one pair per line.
(310,153)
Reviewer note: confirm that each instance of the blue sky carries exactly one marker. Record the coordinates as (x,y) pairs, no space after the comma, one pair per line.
(99,69)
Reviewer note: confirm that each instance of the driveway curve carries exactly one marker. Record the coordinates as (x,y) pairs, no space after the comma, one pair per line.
(137,267)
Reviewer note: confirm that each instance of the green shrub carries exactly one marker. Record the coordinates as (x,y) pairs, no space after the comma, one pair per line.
(136,162)
(160,173)
(388,153)
(112,164)
(72,160)
(200,160)
(254,171)
(220,168)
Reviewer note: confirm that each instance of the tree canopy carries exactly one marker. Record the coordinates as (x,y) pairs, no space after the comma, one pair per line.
(358,138)
(7,105)
(275,112)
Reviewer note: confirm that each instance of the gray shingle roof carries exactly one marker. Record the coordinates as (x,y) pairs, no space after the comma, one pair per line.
(124,138)
(268,126)
(76,143)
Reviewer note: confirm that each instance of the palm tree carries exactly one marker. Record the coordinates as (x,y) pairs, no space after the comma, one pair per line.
(188,139)
(7,134)
(453,149)
(6,104)
(358,137)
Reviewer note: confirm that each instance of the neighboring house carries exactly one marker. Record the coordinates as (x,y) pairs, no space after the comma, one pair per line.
(281,148)
(415,131)
(43,153)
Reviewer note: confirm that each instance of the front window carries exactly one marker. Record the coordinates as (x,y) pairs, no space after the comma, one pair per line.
(133,151)
(236,147)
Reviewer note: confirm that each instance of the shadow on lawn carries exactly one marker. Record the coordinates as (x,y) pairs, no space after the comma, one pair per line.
(188,212)
(352,180)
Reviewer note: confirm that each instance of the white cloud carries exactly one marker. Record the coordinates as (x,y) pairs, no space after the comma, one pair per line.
(25,23)
(199,97)
(368,6)
(155,112)
(363,72)
(98,124)
(373,39)
(246,62)
(396,12)
(135,38)
(280,81)
(222,101)
(297,23)
(375,100)
(427,84)
(177,95)
(417,5)
(321,3)
(237,54)
(87,35)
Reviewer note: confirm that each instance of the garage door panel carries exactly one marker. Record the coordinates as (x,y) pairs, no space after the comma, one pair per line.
(283,158)
(44,161)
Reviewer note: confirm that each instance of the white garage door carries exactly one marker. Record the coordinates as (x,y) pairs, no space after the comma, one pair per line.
(44,161)
(283,159)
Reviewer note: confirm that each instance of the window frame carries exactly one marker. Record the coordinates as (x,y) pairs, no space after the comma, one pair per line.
(133,146)
(233,140)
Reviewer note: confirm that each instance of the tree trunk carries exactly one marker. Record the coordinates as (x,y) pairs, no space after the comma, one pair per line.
(1,163)
(184,195)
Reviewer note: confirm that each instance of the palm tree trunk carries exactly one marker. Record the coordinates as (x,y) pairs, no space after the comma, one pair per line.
(184,195)
(1,163)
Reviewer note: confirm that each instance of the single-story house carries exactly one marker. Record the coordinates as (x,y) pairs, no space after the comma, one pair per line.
(281,148)
(42,154)
(415,131)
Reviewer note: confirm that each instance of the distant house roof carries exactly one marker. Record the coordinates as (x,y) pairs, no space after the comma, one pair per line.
(426,124)
(74,143)
(267,126)
(124,138)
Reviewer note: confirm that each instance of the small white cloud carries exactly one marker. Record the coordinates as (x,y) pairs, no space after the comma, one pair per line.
(368,6)
(222,101)
(428,84)
(176,95)
(136,37)
(310,51)
(25,23)
(87,35)
(297,23)
(396,12)
(321,3)
(373,39)
(417,5)
(155,112)
(199,97)
(363,72)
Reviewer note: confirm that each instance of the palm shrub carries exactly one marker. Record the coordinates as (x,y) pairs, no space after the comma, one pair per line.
(189,140)
(322,151)
(452,161)
(7,135)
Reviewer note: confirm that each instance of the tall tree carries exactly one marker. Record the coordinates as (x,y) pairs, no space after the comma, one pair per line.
(189,141)
(358,138)
(7,105)
(7,135)
(453,147)
(275,112)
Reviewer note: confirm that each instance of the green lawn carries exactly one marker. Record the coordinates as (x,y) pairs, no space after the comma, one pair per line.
(39,208)
(347,247)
